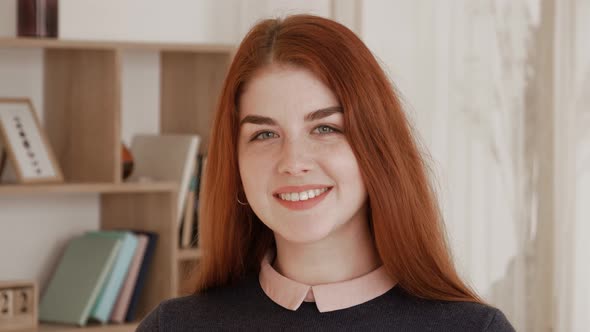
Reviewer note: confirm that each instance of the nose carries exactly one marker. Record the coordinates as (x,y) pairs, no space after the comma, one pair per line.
(295,158)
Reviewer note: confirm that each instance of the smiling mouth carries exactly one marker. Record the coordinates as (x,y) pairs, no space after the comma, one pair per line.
(304,195)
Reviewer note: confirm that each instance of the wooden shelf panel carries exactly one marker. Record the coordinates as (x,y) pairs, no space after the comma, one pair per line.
(91,188)
(92,328)
(189,254)
(82,93)
(190,87)
(50,43)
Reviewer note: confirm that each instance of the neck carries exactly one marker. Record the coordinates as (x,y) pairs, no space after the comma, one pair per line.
(347,253)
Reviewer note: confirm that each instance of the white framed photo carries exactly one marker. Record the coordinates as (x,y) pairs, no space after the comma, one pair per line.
(25,143)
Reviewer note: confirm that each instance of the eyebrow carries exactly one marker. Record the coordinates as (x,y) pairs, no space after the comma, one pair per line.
(313,116)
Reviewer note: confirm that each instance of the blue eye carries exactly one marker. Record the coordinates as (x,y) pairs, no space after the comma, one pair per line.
(264,136)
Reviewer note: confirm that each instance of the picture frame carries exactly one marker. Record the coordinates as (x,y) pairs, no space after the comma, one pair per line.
(30,156)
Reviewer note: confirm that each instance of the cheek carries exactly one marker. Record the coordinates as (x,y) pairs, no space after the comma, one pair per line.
(345,169)
(253,167)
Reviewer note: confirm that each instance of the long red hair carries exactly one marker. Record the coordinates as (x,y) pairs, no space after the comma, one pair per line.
(403,211)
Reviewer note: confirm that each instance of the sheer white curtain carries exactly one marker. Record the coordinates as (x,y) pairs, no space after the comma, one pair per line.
(572,120)
(481,81)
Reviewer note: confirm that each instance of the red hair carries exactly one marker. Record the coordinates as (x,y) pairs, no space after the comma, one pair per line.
(403,211)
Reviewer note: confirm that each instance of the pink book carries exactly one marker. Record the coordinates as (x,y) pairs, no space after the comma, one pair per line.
(120,308)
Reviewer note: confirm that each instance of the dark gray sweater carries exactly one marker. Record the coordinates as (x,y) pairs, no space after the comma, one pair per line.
(245,307)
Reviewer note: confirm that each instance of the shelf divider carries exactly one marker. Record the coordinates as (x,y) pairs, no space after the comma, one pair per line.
(83,111)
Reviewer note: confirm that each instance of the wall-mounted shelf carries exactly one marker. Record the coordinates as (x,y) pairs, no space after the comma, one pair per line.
(51,43)
(95,328)
(83,188)
(189,254)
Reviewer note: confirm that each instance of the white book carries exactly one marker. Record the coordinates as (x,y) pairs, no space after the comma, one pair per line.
(166,158)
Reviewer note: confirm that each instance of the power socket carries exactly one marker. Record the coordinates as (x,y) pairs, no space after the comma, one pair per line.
(6,304)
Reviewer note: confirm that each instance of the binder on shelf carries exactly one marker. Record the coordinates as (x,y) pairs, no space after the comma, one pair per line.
(105,302)
(143,275)
(189,212)
(201,162)
(78,279)
(124,298)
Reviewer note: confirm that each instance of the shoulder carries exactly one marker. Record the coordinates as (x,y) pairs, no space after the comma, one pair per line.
(205,309)
(469,316)
(452,316)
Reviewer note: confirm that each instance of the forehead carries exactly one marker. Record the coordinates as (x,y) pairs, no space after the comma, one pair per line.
(277,90)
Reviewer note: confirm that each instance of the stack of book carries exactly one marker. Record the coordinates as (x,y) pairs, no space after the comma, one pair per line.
(99,278)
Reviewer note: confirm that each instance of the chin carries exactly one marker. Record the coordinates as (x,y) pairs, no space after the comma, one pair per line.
(305,234)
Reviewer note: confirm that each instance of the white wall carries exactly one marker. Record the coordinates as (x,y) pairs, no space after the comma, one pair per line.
(221,21)
(34,231)
(254,10)
(8,18)
(149,20)
(573,165)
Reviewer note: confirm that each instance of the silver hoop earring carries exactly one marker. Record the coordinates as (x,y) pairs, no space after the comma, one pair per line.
(240,202)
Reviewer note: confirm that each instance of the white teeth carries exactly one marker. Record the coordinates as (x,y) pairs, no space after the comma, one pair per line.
(302,196)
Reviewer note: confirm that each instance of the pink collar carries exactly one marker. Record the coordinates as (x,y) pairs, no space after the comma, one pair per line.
(289,294)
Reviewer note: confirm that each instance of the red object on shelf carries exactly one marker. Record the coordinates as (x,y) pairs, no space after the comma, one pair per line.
(127,159)
(37,18)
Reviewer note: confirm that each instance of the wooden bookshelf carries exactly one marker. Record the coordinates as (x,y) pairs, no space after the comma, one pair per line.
(189,254)
(82,112)
(90,328)
(52,43)
(86,188)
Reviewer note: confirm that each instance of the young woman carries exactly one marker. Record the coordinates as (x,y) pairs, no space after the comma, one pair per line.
(316,212)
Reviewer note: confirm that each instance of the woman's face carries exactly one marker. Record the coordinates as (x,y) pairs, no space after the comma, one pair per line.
(298,170)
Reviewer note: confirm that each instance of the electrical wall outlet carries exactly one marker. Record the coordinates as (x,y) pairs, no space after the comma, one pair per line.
(6,303)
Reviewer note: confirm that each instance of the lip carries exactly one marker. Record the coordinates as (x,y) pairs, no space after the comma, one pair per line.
(302,205)
(298,189)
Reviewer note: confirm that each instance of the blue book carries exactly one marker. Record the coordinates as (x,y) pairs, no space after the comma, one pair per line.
(105,302)
(78,279)
(143,275)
